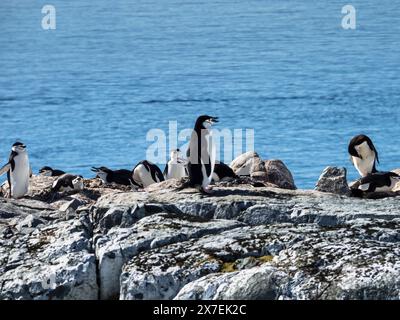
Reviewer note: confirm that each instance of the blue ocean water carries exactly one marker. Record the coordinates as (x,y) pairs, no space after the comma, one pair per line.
(88,92)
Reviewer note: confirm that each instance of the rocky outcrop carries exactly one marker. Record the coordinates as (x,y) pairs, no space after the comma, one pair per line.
(275,172)
(41,258)
(244,164)
(120,244)
(272,172)
(358,261)
(244,241)
(333,179)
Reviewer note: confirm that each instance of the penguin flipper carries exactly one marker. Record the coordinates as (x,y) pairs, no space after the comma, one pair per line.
(5,168)
(9,183)
(165,173)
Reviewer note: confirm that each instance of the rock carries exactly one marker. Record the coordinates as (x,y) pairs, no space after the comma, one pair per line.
(53,262)
(275,172)
(121,216)
(315,263)
(69,208)
(239,242)
(242,165)
(122,244)
(30,222)
(161,272)
(397,187)
(164,186)
(259,205)
(262,283)
(333,179)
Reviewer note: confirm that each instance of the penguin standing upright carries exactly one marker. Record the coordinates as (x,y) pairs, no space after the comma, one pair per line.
(363,154)
(176,166)
(18,170)
(201,162)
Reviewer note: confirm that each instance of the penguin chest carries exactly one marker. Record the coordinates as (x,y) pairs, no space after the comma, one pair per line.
(364,166)
(176,171)
(19,177)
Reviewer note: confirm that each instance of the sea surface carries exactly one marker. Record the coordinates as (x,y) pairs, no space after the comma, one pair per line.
(87,93)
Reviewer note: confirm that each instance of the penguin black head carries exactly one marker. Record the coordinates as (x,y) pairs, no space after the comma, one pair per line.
(47,171)
(205,122)
(78,183)
(176,156)
(358,144)
(394,176)
(101,169)
(18,147)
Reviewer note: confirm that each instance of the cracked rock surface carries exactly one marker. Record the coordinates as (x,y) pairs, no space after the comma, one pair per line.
(242,242)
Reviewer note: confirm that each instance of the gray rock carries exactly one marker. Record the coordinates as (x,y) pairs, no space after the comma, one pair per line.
(260,283)
(333,179)
(121,216)
(52,262)
(244,164)
(122,244)
(270,171)
(30,222)
(275,172)
(260,205)
(352,262)
(239,242)
(161,272)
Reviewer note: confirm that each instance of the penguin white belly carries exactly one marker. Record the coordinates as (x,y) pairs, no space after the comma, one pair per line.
(384,189)
(103,177)
(143,177)
(206,179)
(364,166)
(211,151)
(20,176)
(176,171)
(387,188)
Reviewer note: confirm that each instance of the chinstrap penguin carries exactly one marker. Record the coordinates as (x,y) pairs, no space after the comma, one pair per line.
(145,173)
(379,182)
(176,166)
(18,171)
(50,172)
(68,182)
(201,154)
(122,176)
(363,154)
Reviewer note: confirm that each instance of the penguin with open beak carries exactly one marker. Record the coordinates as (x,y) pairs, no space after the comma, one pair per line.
(201,154)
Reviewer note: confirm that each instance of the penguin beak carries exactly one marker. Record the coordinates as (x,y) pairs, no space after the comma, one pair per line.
(214,120)
(94,169)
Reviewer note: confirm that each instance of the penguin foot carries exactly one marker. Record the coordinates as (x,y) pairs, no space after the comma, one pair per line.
(206,190)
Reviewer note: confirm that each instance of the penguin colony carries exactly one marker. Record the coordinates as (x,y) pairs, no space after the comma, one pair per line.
(201,167)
